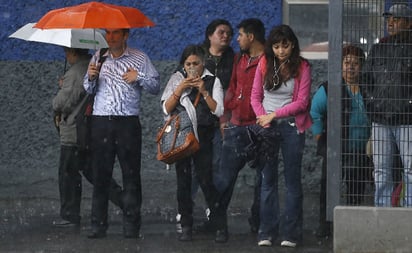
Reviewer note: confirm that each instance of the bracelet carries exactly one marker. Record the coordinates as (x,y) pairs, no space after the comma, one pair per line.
(176,96)
(204,97)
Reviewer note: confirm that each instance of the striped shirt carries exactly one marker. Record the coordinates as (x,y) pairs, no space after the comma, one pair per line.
(115,97)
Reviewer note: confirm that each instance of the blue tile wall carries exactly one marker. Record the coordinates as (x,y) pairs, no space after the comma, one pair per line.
(178,23)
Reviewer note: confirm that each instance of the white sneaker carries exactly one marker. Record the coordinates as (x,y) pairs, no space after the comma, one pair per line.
(288,244)
(178,224)
(265,242)
(207,212)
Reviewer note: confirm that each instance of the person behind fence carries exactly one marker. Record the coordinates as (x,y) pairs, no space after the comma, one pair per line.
(238,115)
(116,129)
(396,20)
(180,94)
(281,100)
(356,165)
(73,160)
(388,77)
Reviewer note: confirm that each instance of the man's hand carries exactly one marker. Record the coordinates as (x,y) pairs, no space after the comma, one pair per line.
(92,71)
(130,76)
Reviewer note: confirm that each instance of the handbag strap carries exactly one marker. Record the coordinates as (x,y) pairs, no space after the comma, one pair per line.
(197,99)
(160,133)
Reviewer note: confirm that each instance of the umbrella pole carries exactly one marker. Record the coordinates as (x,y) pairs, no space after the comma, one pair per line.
(65,65)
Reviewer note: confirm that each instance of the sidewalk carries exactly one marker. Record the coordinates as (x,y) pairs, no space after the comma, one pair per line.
(36,234)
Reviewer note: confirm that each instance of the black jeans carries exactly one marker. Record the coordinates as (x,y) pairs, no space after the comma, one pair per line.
(121,137)
(70,182)
(72,162)
(202,161)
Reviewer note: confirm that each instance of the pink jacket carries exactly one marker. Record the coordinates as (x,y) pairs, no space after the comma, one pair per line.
(300,105)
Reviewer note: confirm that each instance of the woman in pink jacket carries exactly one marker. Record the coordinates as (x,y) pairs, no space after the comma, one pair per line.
(281,101)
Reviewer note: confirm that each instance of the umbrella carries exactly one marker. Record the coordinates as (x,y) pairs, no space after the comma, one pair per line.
(94,15)
(74,38)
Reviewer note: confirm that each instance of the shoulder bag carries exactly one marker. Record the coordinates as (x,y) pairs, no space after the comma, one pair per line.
(176,139)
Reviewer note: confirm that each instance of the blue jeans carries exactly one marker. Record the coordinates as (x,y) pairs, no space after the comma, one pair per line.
(232,160)
(385,139)
(291,143)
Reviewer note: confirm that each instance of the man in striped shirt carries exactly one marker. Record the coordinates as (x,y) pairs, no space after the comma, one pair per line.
(118,83)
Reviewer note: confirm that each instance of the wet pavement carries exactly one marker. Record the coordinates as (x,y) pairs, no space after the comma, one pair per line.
(37,234)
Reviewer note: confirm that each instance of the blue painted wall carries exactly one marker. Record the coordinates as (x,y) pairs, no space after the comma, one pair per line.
(178,23)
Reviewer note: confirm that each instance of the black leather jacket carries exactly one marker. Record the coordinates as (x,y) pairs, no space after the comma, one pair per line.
(388,79)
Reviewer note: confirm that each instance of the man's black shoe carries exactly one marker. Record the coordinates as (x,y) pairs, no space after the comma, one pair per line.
(222,236)
(206,227)
(97,235)
(65,224)
(186,235)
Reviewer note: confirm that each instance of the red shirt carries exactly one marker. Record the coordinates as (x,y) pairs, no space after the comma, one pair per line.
(238,109)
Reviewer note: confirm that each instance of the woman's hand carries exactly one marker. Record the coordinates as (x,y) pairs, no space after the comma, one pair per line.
(264,120)
(199,84)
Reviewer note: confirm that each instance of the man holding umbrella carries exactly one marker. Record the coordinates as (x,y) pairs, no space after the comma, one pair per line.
(116,131)
(66,104)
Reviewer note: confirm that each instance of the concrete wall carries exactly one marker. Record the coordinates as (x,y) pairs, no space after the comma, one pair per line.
(371,229)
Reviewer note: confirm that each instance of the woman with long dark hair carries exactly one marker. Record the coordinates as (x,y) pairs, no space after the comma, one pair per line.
(281,100)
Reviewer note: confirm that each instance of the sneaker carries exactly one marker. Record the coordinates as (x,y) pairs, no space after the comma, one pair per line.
(265,243)
(207,212)
(288,244)
(178,224)
(65,224)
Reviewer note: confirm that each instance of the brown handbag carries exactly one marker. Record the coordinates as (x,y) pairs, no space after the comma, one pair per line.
(176,139)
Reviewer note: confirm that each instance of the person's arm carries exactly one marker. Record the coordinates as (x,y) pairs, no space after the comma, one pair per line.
(148,77)
(70,93)
(256,97)
(90,78)
(318,112)
(173,92)
(230,96)
(217,97)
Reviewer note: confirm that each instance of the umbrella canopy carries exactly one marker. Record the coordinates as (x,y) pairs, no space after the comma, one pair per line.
(94,15)
(74,38)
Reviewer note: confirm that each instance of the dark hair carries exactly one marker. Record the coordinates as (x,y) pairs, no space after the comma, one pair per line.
(211,28)
(353,50)
(254,26)
(78,51)
(281,34)
(192,50)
